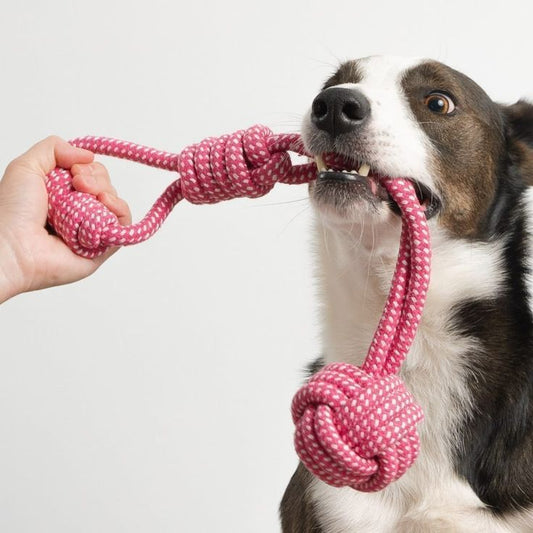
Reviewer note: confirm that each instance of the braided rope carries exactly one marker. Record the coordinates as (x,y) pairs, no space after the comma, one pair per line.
(246,163)
(354,426)
(357,426)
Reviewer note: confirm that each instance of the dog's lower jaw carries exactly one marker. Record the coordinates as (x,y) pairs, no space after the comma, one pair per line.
(342,212)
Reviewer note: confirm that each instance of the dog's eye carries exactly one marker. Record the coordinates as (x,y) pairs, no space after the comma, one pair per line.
(439,103)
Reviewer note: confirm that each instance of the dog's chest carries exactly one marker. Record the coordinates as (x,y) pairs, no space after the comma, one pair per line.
(440,389)
(436,371)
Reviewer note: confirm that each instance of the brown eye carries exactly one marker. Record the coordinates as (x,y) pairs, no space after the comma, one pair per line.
(439,103)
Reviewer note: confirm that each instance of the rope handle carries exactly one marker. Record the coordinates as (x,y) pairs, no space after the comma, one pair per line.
(246,163)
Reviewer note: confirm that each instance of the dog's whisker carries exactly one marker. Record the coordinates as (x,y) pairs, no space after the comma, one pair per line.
(285,202)
(292,219)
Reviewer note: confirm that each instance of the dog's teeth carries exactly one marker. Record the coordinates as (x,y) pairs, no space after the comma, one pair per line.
(364,170)
(320,163)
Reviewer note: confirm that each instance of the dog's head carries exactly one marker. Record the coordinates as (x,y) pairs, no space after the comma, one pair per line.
(418,119)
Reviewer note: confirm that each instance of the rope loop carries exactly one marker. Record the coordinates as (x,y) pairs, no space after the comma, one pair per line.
(247,163)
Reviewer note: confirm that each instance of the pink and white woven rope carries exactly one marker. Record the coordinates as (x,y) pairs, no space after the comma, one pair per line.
(354,426)
(357,426)
(245,163)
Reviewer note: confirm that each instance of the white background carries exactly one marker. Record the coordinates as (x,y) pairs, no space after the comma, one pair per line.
(154,396)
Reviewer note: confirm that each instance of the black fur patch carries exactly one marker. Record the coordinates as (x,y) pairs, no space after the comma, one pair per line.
(315,366)
(509,188)
(495,454)
(520,120)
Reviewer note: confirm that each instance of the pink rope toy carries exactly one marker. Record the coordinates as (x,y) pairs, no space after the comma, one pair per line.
(247,163)
(354,426)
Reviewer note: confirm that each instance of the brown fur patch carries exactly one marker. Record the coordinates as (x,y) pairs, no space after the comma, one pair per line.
(468,144)
(347,73)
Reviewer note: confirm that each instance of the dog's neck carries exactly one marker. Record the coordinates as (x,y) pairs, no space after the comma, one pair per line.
(355,269)
(355,272)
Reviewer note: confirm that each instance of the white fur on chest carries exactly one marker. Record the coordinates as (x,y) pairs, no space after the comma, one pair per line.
(355,273)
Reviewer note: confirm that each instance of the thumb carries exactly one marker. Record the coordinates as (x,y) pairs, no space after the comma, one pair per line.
(51,152)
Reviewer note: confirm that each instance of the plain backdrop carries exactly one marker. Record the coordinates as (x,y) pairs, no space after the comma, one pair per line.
(154,396)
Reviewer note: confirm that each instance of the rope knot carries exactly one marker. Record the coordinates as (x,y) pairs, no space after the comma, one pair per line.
(356,429)
(79,218)
(231,166)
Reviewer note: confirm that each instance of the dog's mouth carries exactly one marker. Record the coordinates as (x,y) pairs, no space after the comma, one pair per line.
(358,181)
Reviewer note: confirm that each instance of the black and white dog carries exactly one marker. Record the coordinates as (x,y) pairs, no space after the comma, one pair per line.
(471,365)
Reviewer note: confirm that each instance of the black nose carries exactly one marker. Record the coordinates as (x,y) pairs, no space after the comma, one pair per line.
(339,110)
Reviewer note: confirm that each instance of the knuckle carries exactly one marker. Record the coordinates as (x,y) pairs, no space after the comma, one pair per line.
(53,140)
(98,166)
(123,205)
(100,169)
(13,165)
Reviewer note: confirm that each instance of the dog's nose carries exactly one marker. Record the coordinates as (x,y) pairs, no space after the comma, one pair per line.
(339,110)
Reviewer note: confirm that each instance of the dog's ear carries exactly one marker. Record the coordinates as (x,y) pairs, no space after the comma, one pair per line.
(519,131)
(519,118)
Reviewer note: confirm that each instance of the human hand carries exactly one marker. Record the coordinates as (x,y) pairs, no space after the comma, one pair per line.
(31,258)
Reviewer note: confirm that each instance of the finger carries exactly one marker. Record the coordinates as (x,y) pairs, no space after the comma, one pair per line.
(67,155)
(52,152)
(117,206)
(92,178)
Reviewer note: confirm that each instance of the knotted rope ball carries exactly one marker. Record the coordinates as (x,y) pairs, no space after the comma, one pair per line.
(354,426)
(356,430)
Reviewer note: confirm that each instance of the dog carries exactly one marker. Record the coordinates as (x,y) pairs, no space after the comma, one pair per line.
(471,365)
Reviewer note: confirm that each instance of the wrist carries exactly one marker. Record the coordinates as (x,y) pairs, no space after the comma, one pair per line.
(11,274)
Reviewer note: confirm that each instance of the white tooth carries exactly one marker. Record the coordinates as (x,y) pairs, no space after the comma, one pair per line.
(320,163)
(364,170)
